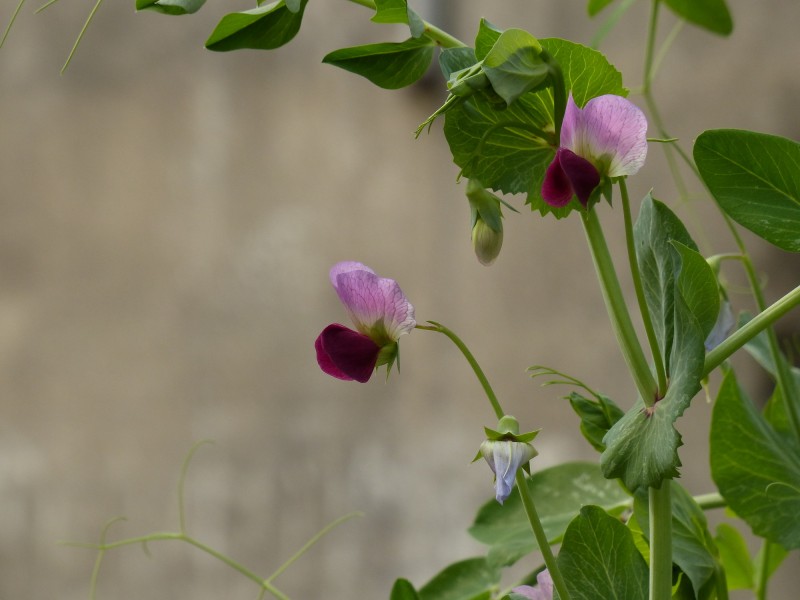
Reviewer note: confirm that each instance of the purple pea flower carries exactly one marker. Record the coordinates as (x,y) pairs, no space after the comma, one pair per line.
(544,591)
(606,138)
(381,313)
(505,457)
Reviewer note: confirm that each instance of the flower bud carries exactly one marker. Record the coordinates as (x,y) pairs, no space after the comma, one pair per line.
(505,457)
(486,242)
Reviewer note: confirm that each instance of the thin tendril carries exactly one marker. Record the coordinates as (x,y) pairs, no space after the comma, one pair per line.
(11,22)
(80,35)
(182,482)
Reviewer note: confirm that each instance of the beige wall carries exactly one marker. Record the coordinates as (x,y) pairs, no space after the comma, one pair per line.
(168,219)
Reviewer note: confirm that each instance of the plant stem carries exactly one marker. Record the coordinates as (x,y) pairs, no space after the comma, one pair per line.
(541,537)
(762,577)
(487,388)
(637,284)
(618,311)
(710,501)
(661,542)
(439,36)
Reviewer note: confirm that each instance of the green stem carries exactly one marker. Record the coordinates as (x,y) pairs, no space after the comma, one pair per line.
(618,311)
(432,32)
(661,542)
(637,284)
(752,328)
(559,91)
(710,501)
(650,48)
(541,537)
(762,577)
(487,388)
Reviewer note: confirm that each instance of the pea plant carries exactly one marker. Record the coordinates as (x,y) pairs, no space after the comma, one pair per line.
(550,119)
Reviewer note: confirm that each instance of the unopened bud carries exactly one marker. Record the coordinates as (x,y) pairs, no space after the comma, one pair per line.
(486,242)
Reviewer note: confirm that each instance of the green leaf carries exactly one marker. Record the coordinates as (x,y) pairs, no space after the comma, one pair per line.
(693,548)
(597,417)
(452,60)
(389,65)
(590,570)
(514,65)
(263,28)
(486,38)
(509,150)
(559,493)
(777,554)
(595,6)
(397,11)
(642,447)
(735,557)
(755,178)
(756,469)
(471,579)
(403,590)
(699,287)
(171,7)
(709,14)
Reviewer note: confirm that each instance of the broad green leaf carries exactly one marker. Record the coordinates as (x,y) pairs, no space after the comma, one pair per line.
(756,469)
(171,7)
(403,590)
(595,6)
(699,287)
(452,60)
(389,65)
(559,493)
(597,415)
(486,38)
(599,560)
(709,14)
(397,11)
(693,548)
(514,65)
(735,557)
(509,150)
(755,178)
(654,231)
(471,579)
(642,447)
(263,28)
(293,5)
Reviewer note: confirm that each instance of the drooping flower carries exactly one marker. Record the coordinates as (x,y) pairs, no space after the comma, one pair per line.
(506,450)
(543,591)
(605,138)
(380,312)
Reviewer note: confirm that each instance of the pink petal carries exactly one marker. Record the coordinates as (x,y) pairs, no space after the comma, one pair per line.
(346,267)
(611,132)
(346,354)
(581,173)
(376,305)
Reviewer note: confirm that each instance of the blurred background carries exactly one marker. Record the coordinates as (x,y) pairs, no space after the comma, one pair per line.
(169,216)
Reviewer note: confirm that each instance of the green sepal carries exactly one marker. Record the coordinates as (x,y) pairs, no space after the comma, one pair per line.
(484,204)
(398,11)
(171,7)
(264,28)
(388,355)
(498,436)
(390,65)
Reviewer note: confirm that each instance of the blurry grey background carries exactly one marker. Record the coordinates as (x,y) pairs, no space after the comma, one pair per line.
(169,216)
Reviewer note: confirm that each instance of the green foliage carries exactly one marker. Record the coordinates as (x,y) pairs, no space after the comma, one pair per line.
(756,468)
(514,65)
(403,590)
(712,15)
(509,149)
(595,6)
(755,178)
(735,557)
(171,7)
(388,65)
(398,11)
(471,579)
(642,447)
(264,28)
(488,34)
(559,493)
(590,570)
(597,417)
(699,287)
(693,548)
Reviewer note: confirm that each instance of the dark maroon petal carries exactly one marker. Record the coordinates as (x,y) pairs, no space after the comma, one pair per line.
(346,354)
(556,188)
(581,173)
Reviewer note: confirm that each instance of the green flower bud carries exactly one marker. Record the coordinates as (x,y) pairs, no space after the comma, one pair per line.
(486,242)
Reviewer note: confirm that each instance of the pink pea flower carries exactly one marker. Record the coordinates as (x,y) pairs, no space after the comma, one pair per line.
(543,591)
(381,313)
(606,138)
